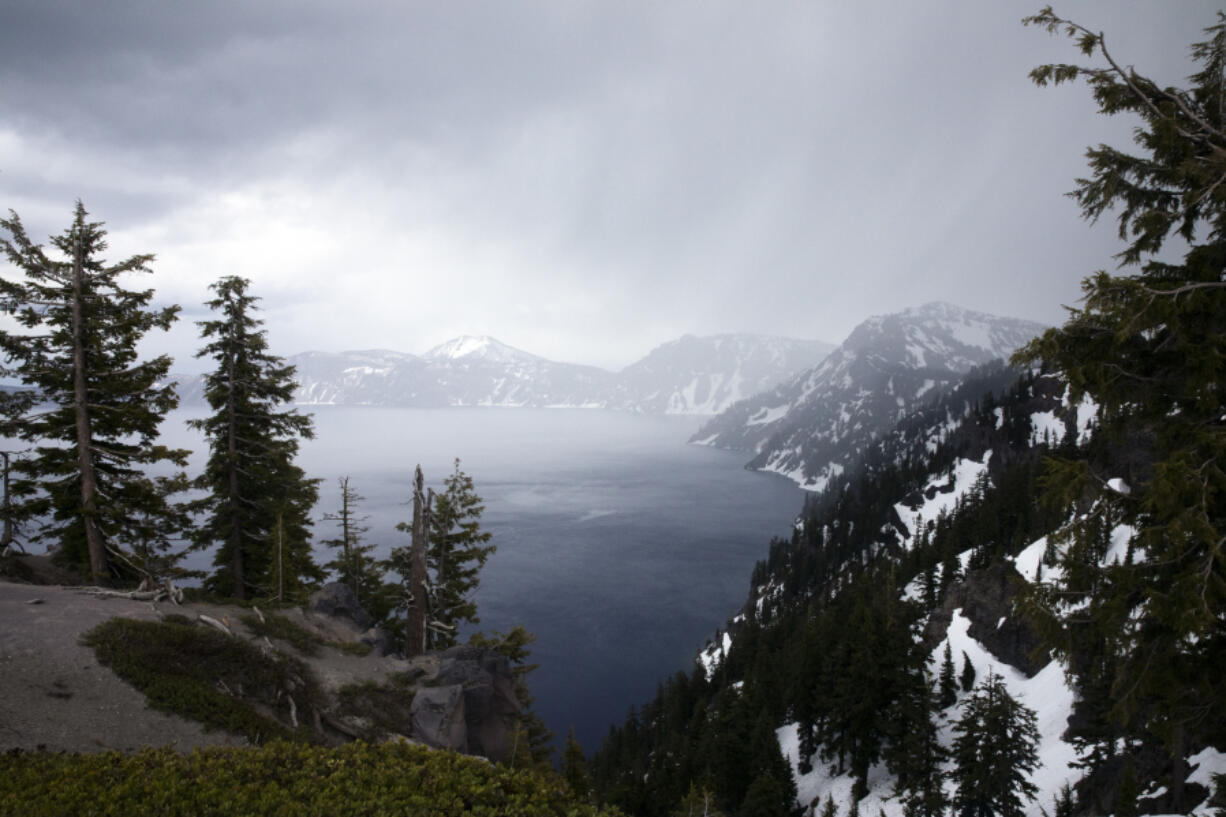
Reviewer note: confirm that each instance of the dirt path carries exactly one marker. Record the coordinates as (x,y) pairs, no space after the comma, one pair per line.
(53,692)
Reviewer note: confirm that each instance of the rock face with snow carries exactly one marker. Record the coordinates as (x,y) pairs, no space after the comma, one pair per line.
(815,425)
(687,376)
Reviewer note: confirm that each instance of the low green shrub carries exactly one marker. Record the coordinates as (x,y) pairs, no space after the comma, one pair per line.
(301,639)
(206,676)
(355,780)
(385,706)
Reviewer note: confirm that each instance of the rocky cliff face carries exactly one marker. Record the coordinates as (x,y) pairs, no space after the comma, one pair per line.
(816,425)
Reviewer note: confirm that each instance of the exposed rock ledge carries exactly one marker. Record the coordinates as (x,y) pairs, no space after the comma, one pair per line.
(55,695)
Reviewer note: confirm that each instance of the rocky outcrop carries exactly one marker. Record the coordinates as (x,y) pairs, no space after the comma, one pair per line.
(337,600)
(491,708)
(986,598)
(462,698)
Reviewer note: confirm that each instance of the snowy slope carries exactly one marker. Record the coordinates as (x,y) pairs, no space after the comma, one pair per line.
(1049,417)
(814,426)
(694,375)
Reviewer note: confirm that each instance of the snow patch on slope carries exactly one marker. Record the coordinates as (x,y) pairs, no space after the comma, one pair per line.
(945,493)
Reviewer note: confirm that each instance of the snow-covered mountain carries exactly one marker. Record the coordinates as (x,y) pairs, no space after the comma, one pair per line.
(687,376)
(815,425)
(693,375)
(464,371)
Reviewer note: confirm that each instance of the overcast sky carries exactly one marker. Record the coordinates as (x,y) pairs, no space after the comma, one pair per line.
(583,180)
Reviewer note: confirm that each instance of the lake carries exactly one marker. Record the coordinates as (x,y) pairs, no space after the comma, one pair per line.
(619,545)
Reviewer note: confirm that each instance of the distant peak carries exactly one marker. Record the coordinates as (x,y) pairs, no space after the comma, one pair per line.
(480,346)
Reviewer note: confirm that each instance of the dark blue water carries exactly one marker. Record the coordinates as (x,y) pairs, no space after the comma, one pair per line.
(619,545)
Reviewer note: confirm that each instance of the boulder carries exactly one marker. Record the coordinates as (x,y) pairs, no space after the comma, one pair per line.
(337,601)
(490,704)
(438,718)
(380,641)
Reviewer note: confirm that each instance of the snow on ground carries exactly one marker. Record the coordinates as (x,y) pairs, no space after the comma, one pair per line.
(766,415)
(1207,763)
(966,474)
(1087,418)
(1120,537)
(1046,693)
(711,657)
(1046,427)
(1027,562)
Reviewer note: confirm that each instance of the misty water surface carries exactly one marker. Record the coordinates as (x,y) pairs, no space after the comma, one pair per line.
(619,545)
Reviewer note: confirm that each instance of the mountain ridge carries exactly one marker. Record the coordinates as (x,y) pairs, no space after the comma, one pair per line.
(812,427)
(689,375)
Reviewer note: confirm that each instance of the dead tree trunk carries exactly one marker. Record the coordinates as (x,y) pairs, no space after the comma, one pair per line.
(415,635)
(9,538)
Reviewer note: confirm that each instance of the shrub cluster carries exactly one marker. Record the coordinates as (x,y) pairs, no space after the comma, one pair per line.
(206,676)
(279,779)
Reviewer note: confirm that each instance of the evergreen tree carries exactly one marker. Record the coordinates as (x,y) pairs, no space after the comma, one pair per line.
(995,749)
(967,678)
(85,478)
(698,802)
(353,564)
(456,554)
(947,694)
(453,554)
(1150,349)
(259,503)
(574,767)
(915,755)
(830,809)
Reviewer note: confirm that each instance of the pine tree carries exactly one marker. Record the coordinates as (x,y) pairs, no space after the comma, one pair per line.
(455,556)
(947,694)
(995,749)
(967,678)
(1150,349)
(85,478)
(698,802)
(451,556)
(915,755)
(259,503)
(353,564)
(574,767)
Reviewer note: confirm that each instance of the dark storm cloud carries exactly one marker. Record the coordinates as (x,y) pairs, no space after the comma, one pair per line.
(582,179)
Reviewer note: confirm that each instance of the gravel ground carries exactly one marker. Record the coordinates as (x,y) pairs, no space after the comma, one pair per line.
(53,692)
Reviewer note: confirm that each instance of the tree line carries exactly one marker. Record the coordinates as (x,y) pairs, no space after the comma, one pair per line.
(87,414)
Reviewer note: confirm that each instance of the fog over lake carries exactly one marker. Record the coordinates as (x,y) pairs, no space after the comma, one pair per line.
(619,545)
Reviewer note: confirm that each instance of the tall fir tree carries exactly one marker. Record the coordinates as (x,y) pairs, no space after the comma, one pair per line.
(96,429)
(915,754)
(353,564)
(947,687)
(574,767)
(258,507)
(994,751)
(457,552)
(455,549)
(1150,349)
